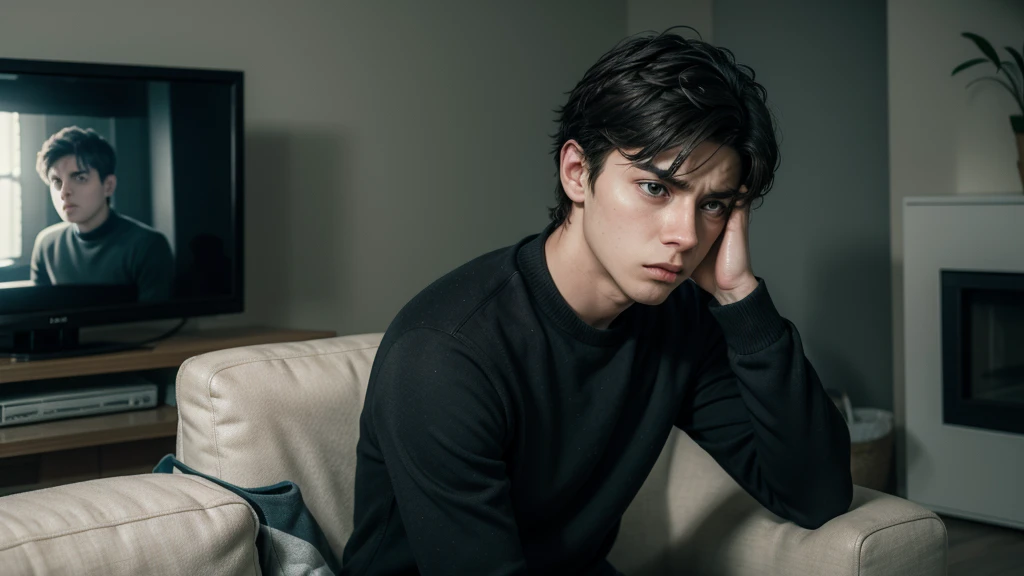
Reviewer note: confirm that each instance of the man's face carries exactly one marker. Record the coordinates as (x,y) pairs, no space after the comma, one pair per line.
(78,195)
(636,220)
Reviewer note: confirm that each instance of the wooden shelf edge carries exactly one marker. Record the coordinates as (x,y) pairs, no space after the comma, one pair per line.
(169,353)
(159,422)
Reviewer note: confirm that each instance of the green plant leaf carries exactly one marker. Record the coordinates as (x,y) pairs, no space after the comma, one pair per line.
(1010,69)
(985,47)
(1013,74)
(1016,58)
(994,79)
(968,64)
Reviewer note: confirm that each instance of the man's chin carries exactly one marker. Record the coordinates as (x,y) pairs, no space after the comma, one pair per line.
(653,297)
(79,217)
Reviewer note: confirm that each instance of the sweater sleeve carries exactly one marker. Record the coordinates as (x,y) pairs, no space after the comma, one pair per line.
(757,407)
(442,427)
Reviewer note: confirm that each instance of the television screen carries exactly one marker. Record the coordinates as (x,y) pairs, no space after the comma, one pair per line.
(120,193)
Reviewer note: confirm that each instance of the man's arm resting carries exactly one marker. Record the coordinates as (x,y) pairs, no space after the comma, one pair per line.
(758,407)
(441,427)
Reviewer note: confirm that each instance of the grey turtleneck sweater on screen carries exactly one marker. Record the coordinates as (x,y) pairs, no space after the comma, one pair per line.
(122,250)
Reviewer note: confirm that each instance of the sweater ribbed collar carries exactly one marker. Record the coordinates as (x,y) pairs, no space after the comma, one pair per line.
(101,231)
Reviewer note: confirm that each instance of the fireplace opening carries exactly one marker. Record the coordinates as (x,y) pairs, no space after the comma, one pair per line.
(983,349)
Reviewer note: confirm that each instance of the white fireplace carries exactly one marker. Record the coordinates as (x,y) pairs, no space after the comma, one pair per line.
(963,271)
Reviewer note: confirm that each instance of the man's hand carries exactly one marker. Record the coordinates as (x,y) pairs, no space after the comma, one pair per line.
(725,272)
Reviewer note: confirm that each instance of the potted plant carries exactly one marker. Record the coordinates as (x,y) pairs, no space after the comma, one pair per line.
(1013,70)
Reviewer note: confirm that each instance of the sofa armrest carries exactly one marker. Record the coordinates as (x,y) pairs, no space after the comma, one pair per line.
(702,522)
(880,535)
(144,524)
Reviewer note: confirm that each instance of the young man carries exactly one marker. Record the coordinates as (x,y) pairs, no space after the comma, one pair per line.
(517,404)
(94,244)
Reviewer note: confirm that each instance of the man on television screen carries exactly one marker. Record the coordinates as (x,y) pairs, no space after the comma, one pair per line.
(94,244)
(516,405)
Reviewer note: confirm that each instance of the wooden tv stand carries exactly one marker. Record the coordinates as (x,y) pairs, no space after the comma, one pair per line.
(45,454)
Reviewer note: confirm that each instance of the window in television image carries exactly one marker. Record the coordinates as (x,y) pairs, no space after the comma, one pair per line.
(114,191)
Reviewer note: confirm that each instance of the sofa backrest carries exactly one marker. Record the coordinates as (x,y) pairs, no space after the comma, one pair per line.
(258,415)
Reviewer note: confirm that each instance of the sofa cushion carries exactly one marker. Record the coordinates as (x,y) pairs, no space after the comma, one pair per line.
(143,524)
(263,414)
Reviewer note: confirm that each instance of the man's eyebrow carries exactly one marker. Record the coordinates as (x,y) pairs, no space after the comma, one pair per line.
(664,176)
(723,195)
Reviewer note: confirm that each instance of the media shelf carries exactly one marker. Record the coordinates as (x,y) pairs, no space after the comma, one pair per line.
(159,422)
(97,438)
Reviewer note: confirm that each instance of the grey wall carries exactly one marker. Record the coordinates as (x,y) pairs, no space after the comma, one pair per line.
(821,238)
(388,142)
(657,15)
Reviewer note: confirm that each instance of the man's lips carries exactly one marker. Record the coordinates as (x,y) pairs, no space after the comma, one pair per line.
(663,274)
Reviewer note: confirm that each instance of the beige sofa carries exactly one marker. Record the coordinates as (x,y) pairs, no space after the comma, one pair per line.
(261,414)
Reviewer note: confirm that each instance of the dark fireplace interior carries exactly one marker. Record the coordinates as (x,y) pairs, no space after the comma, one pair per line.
(983,349)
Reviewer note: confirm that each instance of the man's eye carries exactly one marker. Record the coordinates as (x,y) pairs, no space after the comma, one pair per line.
(82,177)
(715,206)
(653,188)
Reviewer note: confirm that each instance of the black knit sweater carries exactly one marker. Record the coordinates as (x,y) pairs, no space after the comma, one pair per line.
(503,435)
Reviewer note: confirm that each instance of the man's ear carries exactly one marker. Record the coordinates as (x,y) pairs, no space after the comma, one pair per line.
(109,185)
(572,170)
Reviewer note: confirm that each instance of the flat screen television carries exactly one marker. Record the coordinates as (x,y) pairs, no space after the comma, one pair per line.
(120,198)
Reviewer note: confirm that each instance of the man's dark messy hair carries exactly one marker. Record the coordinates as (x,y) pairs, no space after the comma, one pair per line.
(656,92)
(87,146)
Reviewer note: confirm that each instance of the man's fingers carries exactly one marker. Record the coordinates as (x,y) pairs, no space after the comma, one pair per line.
(739,215)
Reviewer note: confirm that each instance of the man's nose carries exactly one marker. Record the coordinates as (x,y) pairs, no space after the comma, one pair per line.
(681,227)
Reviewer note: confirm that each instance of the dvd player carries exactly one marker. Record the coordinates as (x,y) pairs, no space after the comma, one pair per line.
(29,408)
